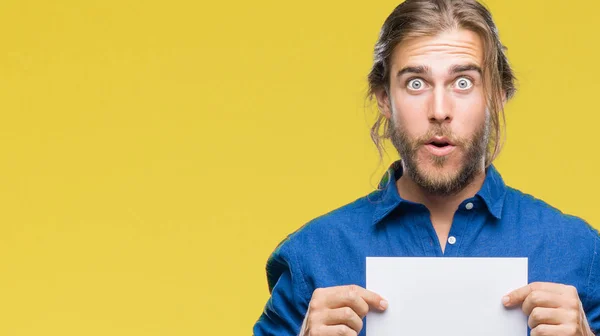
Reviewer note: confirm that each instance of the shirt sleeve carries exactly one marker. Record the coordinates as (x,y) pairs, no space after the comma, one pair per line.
(284,311)
(591,302)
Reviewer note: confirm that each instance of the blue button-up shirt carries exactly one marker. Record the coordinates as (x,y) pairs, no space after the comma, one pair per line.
(499,221)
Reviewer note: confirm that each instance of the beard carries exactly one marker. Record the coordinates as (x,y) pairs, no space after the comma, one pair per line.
(434,182)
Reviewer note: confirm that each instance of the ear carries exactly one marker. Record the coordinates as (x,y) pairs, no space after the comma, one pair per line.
(383,102)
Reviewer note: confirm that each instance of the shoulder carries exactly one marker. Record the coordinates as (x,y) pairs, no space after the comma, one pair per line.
(349,219)
(535,214)
(352,219)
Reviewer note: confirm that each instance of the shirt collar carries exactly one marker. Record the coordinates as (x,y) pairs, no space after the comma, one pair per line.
(387,198)
(493,192)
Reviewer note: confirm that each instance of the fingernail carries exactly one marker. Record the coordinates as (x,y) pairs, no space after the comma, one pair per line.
(506,299)
(383,304)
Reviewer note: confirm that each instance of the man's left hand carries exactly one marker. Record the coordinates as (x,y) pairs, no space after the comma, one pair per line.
(553,309)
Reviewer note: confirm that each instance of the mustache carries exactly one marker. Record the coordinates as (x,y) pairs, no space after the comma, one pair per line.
(440,131)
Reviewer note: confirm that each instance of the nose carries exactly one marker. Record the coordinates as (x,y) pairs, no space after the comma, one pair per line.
(441,109)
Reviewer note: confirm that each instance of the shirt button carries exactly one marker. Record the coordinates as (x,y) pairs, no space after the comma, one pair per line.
(451,240)
(469,206)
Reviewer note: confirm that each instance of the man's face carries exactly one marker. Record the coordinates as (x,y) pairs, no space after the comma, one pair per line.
(437,108)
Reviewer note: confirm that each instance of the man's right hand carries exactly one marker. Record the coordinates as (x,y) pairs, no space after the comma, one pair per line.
(337,311)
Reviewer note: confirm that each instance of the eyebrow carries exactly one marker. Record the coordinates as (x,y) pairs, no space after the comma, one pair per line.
(421,69)
(457,68)
(464,68)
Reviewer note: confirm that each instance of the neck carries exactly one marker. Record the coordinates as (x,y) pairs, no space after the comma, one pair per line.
(437,204)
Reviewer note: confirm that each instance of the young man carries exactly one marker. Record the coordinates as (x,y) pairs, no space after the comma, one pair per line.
(440,78)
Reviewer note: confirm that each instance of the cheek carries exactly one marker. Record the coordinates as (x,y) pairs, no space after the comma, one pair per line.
(469,115)
(411,112)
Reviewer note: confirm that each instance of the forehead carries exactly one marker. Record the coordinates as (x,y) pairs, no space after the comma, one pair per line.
(443,50)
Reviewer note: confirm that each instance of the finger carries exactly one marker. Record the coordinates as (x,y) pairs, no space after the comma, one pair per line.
(552,330)
(541,315)
(543,299)
(373,299)
(345,316)
(335,330)
(346,296)
(517,296)
(355,297)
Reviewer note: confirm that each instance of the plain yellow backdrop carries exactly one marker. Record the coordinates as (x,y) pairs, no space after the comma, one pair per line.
(153,153)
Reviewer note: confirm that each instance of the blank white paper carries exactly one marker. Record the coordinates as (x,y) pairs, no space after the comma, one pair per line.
(446,296)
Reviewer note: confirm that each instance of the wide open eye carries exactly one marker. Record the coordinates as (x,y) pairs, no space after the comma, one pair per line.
(463,83)
(415,84)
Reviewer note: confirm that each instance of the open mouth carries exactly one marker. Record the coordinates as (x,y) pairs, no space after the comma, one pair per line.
(439,143)
(440,146)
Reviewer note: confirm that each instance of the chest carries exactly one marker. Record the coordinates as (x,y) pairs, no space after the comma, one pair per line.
(466,236)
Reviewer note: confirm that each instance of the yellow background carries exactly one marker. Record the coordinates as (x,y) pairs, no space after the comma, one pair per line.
(153,153)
